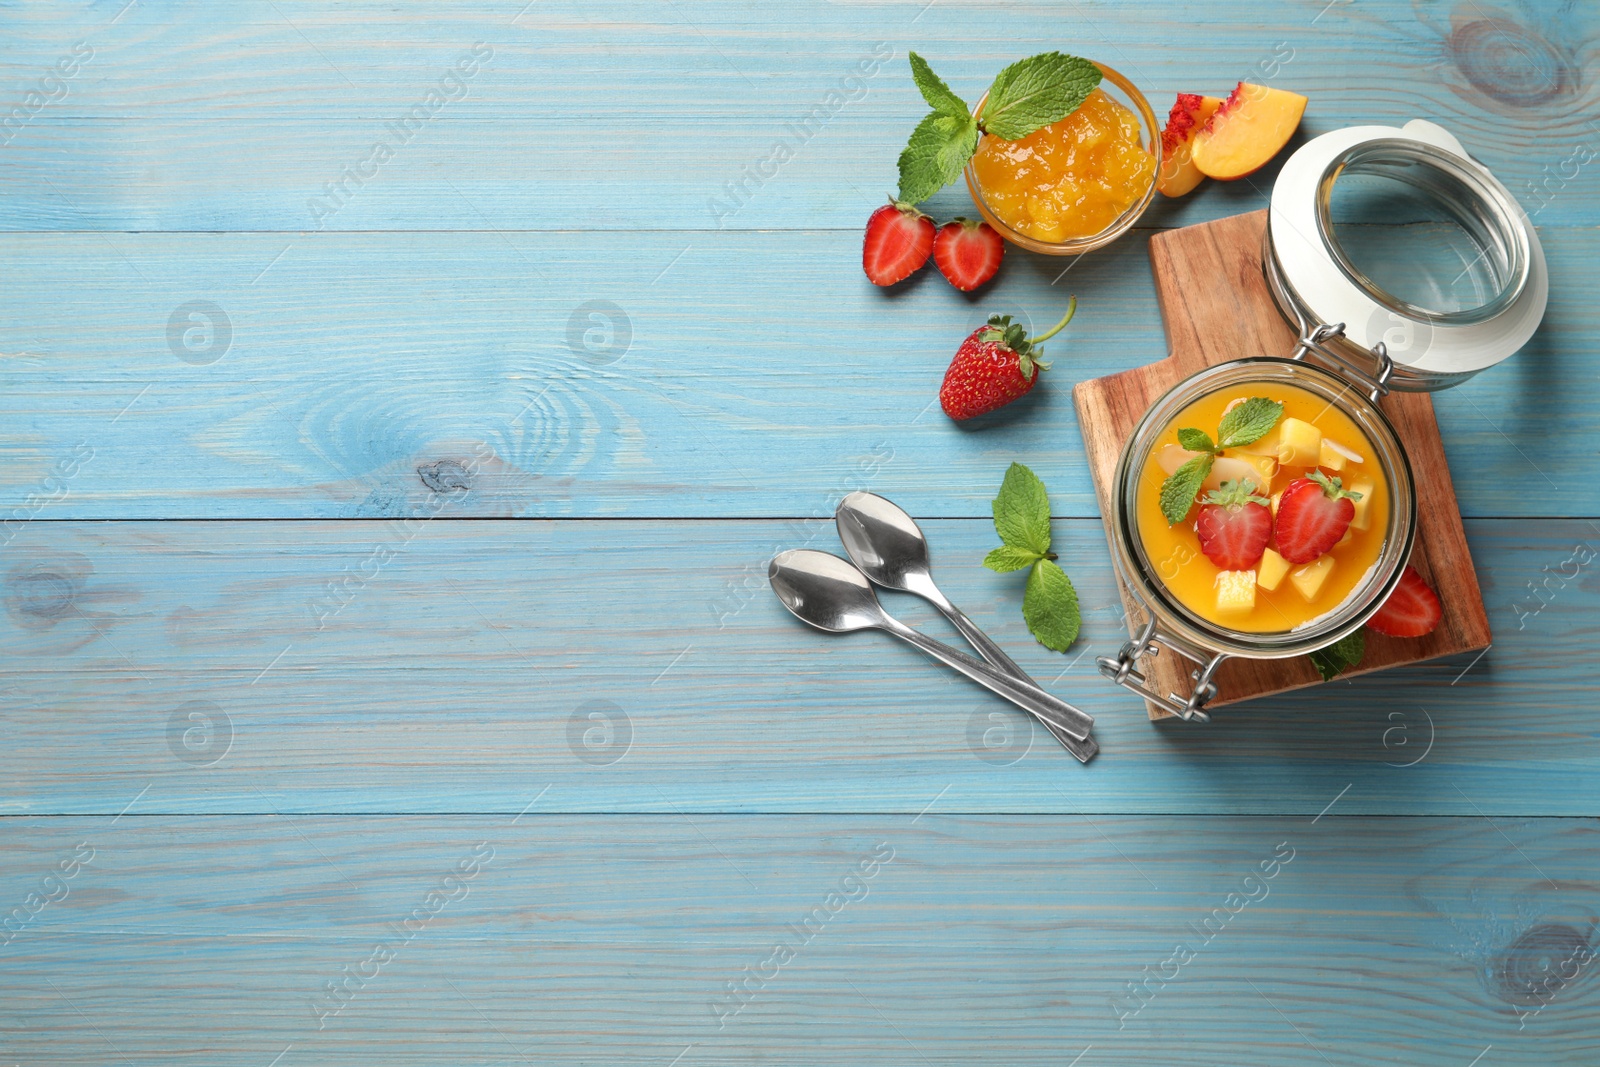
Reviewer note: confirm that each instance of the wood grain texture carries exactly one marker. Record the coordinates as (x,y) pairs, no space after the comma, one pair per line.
(639,115)
(1216,307)
(183,696)
(762,376)
(454,658)
(596,939)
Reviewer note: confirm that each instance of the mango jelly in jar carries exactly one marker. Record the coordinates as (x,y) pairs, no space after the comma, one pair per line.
(1321,437)
(1070,179)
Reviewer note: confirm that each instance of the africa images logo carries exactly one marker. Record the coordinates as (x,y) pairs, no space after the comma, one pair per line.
(452,86)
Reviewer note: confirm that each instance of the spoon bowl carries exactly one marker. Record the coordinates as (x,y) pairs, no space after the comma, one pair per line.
(886,543)
(890,549)
(825,591)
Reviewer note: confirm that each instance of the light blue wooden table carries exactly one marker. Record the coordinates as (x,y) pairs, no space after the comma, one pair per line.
(388,673)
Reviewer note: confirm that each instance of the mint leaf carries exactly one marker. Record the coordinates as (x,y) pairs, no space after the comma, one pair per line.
(1035,92)
(1050,606)
(1248,422)
(934,156)
(1181,487)
(1195,440)
(1006,558)
(1345,652)
(935,91)
(1022,511)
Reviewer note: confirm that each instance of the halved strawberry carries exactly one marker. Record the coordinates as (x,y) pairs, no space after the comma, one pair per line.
(968,253)
(1412,609)
(1233,525)
(1313,513)
(898,240)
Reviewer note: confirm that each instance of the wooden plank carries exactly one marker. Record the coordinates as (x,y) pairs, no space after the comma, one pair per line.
(1216,307)
(457,664)
(640,115)
(360,366)
(584,939)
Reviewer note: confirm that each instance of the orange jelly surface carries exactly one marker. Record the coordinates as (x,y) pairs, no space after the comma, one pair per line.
(1070,179)
(1174,551)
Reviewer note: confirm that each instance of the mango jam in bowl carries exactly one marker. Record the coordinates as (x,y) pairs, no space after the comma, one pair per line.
(1076,184)
(1295,593)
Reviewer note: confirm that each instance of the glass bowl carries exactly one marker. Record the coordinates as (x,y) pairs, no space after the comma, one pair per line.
(1123,92)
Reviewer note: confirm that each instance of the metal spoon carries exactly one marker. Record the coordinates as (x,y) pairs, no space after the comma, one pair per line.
(831,594)
(889,547)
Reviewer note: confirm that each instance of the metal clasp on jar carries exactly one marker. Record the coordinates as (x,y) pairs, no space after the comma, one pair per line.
(1121,669)
(1314,337)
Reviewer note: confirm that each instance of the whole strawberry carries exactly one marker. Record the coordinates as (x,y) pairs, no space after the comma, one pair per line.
(995,365)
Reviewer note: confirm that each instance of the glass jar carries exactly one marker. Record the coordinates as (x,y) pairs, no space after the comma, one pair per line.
(1121,90)
(1404,265)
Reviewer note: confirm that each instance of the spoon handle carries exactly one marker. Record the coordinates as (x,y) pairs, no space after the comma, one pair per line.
(981,641)
(1025,695)
(1085,749)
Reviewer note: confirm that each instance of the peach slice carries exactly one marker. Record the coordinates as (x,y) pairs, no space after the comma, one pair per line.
(1249,129)
(1188,116)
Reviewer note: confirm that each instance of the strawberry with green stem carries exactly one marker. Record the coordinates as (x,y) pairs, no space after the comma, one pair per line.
(996,364)
(1234,526)
(1313,513)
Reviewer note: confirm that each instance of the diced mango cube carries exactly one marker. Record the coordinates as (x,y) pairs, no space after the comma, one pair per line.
(1266,466)
(1335,455)
(1271,569)
(1363,516)
(1299,443)
(1275,498)
(1264,446)
(1309,579)
(1236,591)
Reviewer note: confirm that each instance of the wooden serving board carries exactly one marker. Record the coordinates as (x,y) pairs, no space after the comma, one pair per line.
(1215,307)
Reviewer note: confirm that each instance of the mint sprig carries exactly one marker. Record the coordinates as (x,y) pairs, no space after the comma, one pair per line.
(1182,486)
(1345,652)
(936,154)
(1050,606)
(933,89)
(1022,519)
(1249,422)
(1022,511)
(1034,92)
(1029,94)
(1244,424)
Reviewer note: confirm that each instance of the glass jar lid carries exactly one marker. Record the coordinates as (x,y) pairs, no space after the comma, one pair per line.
(1408,242)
